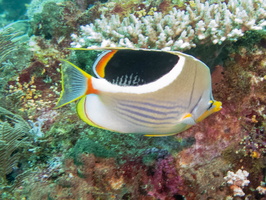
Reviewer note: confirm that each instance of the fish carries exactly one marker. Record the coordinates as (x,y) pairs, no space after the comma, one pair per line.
(136,90)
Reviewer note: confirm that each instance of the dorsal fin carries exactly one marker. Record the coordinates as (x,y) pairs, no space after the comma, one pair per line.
(101,62)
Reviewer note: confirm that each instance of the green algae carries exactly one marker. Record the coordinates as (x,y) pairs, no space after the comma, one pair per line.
(84,59)
(250,38)
(86,145)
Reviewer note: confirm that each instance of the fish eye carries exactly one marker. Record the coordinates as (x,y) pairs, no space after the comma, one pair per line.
(211,104)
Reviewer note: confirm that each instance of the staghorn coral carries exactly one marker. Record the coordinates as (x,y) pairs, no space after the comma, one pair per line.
(200,23)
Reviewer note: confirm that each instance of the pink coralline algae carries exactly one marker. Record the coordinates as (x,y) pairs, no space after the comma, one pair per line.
(165,180)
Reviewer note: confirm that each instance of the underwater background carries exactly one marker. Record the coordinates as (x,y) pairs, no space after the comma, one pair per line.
(51,154)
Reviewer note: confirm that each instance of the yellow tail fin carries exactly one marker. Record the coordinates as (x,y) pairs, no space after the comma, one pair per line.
(74,84)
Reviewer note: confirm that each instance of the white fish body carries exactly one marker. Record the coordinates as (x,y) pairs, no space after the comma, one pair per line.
(172,103)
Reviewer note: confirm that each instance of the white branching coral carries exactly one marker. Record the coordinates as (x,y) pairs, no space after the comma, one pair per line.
(237,181)
(262,188)
(179,30)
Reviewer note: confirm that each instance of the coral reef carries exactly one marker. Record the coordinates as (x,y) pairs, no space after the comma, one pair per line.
(51,154)
(36,6)
(261,189)
(200,23)
(166,182)
(84,144)
(101,178)
(237,181)
(13,38)
(254,144)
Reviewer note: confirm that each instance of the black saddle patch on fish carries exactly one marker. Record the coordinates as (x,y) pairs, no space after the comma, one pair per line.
(138,67)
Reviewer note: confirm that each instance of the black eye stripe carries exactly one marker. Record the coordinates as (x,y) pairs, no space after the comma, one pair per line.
(210,105)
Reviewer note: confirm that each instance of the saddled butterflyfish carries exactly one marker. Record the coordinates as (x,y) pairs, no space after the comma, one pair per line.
(151,92)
